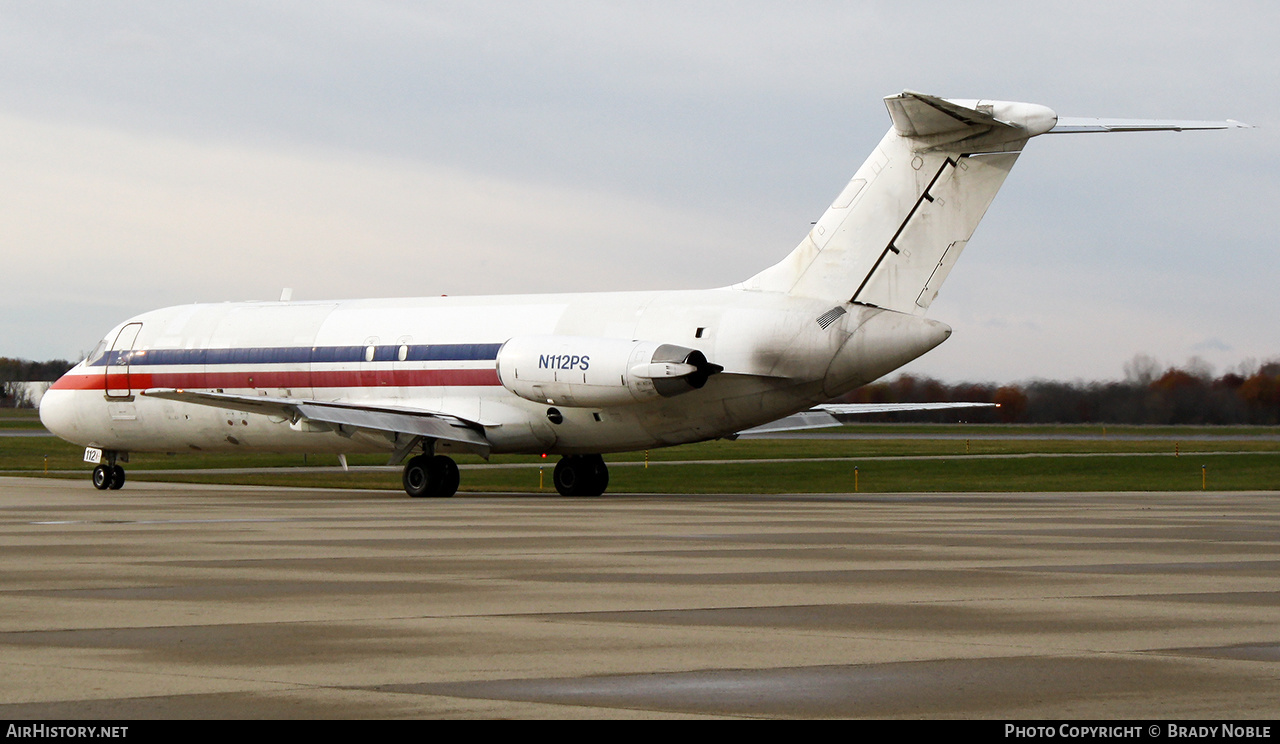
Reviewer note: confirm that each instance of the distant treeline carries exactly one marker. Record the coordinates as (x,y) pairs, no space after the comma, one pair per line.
(1147,395)
(21,370)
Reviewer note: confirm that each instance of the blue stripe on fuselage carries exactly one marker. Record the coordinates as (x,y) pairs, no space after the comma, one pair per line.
(304,355)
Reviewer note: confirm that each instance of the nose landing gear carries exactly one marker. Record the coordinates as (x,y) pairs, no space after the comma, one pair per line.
(108,476)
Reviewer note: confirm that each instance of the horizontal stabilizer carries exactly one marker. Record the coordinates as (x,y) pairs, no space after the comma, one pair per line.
(824,416)
(1083,125)
(919,115)
(854,409)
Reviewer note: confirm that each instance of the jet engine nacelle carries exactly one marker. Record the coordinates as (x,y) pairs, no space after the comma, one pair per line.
(586,371)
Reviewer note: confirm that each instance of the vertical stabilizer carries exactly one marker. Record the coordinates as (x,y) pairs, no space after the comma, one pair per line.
(892,235)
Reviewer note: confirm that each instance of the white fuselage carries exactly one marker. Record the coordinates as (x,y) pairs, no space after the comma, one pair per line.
(439,355)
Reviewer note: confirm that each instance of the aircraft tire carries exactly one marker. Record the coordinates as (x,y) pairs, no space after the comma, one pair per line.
(417,477)
(430,477)
(581,475)
(599,474)
(566,476)
(117,478)
(444,472)
(102,477)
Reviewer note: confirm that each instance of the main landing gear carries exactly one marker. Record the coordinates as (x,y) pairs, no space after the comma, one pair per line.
(581,475)
(436,476)
(108,476)
(433,476)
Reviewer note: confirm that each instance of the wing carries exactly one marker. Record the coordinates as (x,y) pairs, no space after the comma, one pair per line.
(823,416)
(340,417)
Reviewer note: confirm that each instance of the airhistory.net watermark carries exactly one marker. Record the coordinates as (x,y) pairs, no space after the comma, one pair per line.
(49,731)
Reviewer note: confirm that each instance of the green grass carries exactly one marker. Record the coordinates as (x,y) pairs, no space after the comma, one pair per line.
(30,453)
(20,418)
(819,465)
(1065,429)
(1224,472)
(1164,473)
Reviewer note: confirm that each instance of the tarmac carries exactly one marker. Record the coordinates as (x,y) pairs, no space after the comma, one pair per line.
(178,601)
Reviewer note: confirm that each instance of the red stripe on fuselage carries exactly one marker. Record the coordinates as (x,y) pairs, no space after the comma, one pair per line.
(80,382)
(284,379)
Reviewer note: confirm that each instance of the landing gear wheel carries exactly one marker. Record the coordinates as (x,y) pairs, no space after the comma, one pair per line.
(432,477)
(417,477)
(102,477)
(445,472)
(581,475)
(117,478)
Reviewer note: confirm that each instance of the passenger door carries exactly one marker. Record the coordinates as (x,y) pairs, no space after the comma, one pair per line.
(118,359)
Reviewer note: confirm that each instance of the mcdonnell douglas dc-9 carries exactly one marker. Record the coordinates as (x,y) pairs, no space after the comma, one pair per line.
(577,375)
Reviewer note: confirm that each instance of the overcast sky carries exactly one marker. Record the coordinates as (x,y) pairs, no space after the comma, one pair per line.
(163,153)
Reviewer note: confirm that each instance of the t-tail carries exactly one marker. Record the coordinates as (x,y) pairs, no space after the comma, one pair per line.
(892,235)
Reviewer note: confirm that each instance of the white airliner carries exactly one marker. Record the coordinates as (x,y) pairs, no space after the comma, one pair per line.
(571,374)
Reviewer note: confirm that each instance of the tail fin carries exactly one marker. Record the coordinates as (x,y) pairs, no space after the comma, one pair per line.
(893,234)
(897,228)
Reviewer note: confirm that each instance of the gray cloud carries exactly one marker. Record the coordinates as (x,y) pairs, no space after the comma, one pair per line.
(698,136)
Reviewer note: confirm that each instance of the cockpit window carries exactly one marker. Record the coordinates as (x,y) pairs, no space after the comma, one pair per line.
(97,352)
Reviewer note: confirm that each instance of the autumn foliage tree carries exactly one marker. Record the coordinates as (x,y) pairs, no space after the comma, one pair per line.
(1149,394)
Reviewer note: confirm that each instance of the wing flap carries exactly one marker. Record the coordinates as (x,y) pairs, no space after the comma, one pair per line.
(374,418)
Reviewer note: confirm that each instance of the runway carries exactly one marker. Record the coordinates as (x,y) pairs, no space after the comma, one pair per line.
(187,601)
